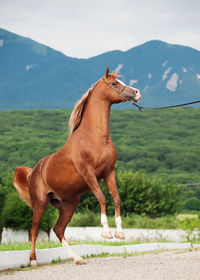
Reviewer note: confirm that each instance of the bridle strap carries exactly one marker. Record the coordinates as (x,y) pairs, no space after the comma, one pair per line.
(119,92)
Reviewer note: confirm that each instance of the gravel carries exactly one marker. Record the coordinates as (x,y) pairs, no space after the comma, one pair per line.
(170,265)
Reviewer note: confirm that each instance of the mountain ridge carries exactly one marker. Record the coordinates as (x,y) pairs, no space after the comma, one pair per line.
(36,76)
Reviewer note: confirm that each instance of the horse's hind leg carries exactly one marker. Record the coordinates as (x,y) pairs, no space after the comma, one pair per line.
(66,210)
(112,187)
(37,215)
(39,201)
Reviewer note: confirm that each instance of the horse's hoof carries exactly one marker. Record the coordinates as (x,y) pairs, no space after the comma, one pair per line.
(107,235)
(119,235)
(33,263)
(80,261)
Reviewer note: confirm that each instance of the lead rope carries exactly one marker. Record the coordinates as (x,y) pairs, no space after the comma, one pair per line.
(165,107)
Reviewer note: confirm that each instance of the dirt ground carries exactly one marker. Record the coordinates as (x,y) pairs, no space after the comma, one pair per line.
(171,265)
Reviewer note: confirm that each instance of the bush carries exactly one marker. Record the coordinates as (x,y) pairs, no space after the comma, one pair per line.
(192,203)
(143,221)
(140,194)
(17,215)
(87,218)
(189,222)
(2,199)
(6,186)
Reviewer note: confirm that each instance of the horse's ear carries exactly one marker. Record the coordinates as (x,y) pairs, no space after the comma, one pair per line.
(107,72)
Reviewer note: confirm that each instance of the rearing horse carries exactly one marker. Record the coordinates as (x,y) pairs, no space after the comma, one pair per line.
(88,156)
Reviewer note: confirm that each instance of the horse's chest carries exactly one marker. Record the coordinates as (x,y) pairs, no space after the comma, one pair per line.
(106,159)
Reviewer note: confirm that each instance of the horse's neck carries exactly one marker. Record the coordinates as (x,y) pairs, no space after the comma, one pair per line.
(96,116)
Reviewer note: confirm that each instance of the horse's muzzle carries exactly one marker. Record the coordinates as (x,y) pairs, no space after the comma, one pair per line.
(132,94)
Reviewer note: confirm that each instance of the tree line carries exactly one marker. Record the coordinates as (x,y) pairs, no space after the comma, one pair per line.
(163,143)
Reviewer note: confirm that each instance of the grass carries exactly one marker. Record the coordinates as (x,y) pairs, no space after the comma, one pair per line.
(27,246)
(182,217)
(47,245)
(89,218)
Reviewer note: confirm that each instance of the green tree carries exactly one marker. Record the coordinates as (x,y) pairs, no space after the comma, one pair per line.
(143,194)
(192,203)
(17,215)
(2,200)
(5,187)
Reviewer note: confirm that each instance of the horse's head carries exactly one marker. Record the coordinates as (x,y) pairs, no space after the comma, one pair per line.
(117,91)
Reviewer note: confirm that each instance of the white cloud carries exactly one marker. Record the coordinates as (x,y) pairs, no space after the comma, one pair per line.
(83,29)
(198,76)
(184,69)
(149,76)
(1,43)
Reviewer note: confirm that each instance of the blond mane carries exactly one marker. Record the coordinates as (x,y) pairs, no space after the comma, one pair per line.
(77,113)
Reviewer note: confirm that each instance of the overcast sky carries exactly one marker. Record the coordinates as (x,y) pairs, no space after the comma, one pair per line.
(85,28)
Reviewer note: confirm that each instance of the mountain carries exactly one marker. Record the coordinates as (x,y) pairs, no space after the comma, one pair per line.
(33,75)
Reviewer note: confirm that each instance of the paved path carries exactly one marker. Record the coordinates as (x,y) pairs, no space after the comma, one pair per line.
(172,265)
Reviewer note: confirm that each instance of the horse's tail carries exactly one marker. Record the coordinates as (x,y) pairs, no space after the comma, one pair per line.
(21,183)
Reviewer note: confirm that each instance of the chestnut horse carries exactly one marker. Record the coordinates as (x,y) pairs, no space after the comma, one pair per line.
(88,156)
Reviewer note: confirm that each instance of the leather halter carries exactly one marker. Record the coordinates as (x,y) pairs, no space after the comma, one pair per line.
(119,92)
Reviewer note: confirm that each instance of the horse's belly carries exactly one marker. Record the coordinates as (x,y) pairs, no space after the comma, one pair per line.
(67,185)
(64,180)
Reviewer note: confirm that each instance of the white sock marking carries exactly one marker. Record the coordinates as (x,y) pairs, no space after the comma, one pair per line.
(33,263)
(104,223)
(118,222)
(69,251)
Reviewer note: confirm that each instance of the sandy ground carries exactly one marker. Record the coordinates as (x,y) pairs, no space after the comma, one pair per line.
(173,265)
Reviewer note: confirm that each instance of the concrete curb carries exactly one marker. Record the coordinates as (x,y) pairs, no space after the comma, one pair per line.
(13,259)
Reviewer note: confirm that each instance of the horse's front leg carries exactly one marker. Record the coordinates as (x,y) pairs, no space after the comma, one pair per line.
(93,184)
(112,187)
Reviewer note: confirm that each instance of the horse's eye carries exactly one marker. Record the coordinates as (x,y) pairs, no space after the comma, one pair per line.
(114,84)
